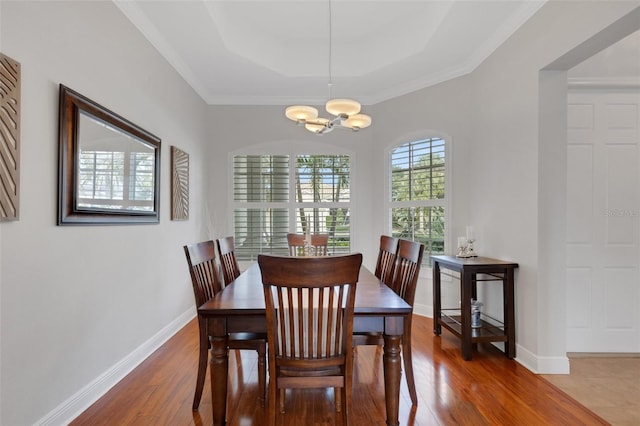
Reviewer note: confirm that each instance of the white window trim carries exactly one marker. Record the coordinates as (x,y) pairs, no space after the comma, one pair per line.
(292,149)
(448,183)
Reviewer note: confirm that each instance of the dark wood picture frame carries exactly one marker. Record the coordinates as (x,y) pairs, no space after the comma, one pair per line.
(128,191)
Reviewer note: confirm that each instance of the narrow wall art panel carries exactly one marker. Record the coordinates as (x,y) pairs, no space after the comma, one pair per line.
(9,138)
(179,184)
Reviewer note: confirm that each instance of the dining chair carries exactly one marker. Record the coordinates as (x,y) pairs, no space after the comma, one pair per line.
(203,269)
(386,258)
(404,282)
(319,243)
(228,260)
(309,307)
(296,244)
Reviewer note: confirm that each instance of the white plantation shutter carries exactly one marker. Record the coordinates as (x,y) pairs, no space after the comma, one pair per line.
(116,180)
(277,194)
(418,193)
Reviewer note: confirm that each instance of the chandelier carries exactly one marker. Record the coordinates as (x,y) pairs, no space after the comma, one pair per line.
(345,112)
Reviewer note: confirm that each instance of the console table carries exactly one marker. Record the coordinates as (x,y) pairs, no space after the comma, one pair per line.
(470,271)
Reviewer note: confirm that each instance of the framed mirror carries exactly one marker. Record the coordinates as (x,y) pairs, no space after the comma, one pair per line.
(109,168)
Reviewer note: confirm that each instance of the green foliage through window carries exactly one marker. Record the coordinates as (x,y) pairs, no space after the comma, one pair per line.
(265,187)
(418,194)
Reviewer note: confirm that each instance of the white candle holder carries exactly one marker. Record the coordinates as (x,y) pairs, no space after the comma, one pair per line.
(465,248)
(462,247)
(469,249)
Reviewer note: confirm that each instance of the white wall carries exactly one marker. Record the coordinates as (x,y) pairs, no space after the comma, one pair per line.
(93,296)
(236,127)
(499,155)
(79,302)
(517,192)
(395,122)
(444,109)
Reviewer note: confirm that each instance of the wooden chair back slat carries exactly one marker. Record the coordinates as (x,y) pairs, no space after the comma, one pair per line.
(296,244)
(386,258)
(228,260)
(407,269)
(321,244)
(203,269)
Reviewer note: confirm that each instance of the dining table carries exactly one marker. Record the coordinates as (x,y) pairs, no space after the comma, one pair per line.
(240,307)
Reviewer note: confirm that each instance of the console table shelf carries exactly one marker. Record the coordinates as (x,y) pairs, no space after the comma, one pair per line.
(489,331)
(470,272)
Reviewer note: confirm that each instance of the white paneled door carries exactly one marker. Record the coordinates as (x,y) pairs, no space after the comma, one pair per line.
(603,222)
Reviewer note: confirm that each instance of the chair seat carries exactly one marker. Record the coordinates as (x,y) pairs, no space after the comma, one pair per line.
(248,336)
(256,341)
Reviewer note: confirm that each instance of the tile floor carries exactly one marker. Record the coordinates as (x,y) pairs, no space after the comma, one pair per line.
(607,385)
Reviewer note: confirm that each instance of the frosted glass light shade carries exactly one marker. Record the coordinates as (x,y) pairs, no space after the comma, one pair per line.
(301,112)
(317,125)
(358,121)
(342,106)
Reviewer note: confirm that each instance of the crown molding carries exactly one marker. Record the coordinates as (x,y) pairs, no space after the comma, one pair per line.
(610,83)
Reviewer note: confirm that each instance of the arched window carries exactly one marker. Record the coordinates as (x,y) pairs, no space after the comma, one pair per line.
(418,193)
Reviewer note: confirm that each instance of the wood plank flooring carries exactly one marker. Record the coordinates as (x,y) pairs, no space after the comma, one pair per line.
(489,390)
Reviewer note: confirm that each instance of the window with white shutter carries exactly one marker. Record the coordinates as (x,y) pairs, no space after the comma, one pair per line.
(418,193)
(278,194)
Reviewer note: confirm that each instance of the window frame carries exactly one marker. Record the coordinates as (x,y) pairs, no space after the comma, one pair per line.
(444,202)
(292,150)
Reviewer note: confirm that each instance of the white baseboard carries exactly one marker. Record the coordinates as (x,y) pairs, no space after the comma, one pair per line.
(423,310)
(526,358)
(542,364)
(553,365)
(85,397)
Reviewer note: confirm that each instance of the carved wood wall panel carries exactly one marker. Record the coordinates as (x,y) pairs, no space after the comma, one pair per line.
(179,184)
(9,138)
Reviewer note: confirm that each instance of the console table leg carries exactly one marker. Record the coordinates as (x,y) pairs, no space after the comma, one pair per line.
(509,314)
(466,294)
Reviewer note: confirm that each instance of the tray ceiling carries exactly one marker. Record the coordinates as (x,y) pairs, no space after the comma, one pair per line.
(267,52)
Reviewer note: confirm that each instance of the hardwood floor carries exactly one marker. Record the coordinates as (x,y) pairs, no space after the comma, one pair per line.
(489,390)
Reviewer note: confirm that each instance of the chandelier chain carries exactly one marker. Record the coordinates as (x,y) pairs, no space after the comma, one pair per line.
(330,52)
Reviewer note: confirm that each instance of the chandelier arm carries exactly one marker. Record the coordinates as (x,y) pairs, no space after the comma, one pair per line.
(337,120)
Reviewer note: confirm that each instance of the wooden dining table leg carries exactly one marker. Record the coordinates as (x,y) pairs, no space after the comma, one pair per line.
(392,371)
(437,295)
(219,364)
